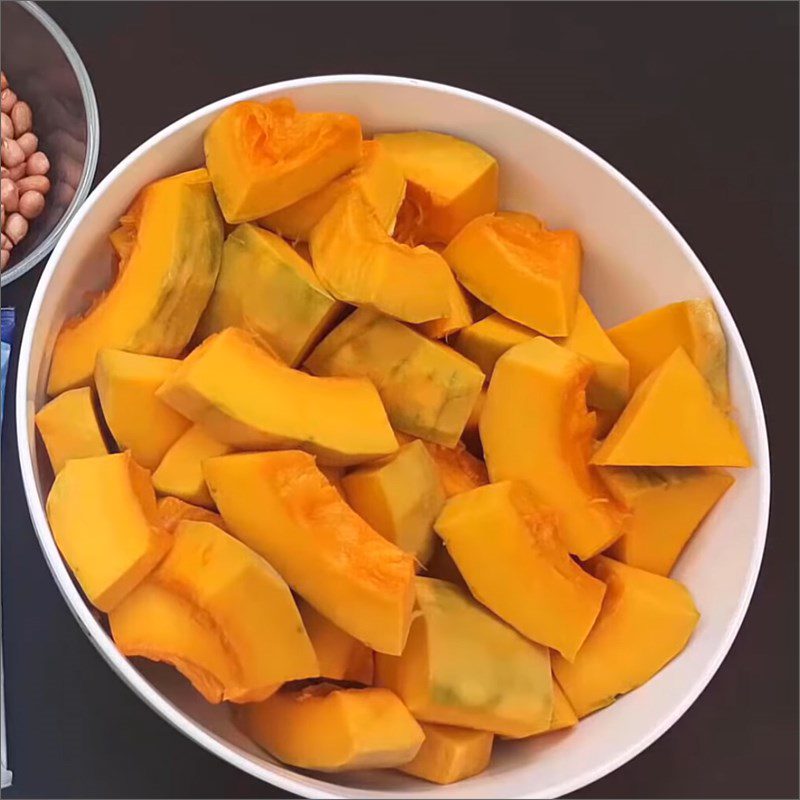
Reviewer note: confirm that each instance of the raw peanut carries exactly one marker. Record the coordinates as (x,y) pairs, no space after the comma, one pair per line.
(8,127)
(9,194)
(7,100)
(3,81)
(16,227)
(15,173)
(5,255)
(34,183)
(11,154)
(22,117)
(28,142)
(38,163)
(6,242)
(2,216)
(31,204)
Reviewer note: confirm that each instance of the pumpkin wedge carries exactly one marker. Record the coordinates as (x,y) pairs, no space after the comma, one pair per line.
(450,754)
(283,507)
(104,518)
(463,666)
(267,288)
(515,265)
(450,182)
(162,288)
(523,571)
(70,428)
(649,339)
(645,622)
(341,657)
(359,263)
(137,418)
(377,176)
(330,729)
(427,388)
(243,396)
(240,597)
(666,505)
(673,420)
(265,156)
(549,446)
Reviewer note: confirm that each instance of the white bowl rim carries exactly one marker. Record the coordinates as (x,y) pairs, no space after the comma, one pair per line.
(286,778)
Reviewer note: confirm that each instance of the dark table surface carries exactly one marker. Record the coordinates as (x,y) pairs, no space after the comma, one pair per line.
(696,103)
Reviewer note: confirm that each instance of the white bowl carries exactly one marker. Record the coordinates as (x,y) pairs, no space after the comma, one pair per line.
(635,260)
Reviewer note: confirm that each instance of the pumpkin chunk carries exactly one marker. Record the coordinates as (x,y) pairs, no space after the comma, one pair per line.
(564,715)
(180,471)
(459,470)
(330,729)
(400,498)
(104,518)
(155,623)
(549,446)
(246,602)
(450,754)
(608,386)
(526,272)
(265,156)
(463,666)
(377,176)
(173,510)
(341,657)
(522,571)
(427,388)
(283,507)
(359,263)
(649,339)
(138,419)
(666,506)
(645,622)
(267,288)
(155,303)
(243,396)
(450,182)
(486,340)
(459,315)
(69,427)
(673,420)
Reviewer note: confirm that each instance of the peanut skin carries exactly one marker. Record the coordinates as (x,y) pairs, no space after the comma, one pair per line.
(11,154)
(22,117)
(31,204)
(38,163)
(28,142)
(7,100)
(9,195)
(15,173)
(16,227)
(35,183)
(8,127)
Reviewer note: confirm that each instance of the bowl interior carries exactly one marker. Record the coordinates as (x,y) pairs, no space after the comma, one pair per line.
(634,261)
(41,65)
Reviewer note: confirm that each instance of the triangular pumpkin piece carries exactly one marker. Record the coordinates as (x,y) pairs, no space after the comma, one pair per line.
(673,420)
(609,386)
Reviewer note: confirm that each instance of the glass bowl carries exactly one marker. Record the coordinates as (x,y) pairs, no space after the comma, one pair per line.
(45,70)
